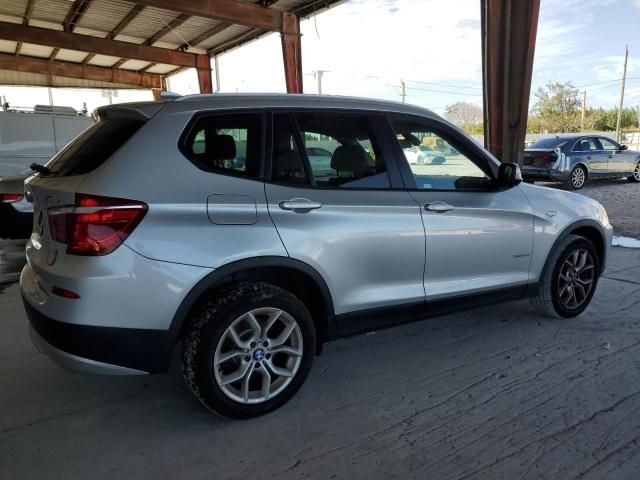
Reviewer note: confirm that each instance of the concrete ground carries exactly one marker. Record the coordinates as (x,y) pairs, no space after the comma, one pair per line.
(498,392)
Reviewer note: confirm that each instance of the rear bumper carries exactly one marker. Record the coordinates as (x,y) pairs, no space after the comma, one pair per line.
(537,173)
(101,350)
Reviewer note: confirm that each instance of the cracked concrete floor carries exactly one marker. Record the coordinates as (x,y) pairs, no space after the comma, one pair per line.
(497,392)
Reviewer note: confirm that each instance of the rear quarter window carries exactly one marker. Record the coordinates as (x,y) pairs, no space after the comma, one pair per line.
(225,143)
(94,146)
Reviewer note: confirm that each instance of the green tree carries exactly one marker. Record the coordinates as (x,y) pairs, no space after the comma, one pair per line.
(558,107)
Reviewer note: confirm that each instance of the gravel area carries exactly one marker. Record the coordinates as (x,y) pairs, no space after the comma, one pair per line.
(620,197)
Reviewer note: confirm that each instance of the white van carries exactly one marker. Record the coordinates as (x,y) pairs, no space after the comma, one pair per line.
(35,136)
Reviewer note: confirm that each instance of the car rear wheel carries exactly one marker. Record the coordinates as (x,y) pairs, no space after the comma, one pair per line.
(248,350)
(569,279)
(635,177)
(577,178)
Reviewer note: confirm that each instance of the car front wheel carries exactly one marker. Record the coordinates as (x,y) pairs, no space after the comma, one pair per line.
(248,349)
(569,279)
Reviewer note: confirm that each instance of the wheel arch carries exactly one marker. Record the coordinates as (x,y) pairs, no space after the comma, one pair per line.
(293,275)
(589,229)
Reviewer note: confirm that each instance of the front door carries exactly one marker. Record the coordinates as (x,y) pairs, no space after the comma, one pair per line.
(349,216)
(478,238)
(588,151)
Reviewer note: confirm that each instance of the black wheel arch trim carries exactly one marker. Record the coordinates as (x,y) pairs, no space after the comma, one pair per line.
(216,277)
(572,227)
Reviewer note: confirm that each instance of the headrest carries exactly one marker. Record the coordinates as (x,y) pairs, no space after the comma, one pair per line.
(219,147)
(350,158)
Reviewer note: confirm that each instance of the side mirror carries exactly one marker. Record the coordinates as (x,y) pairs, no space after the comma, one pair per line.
(509,175)
(624,147)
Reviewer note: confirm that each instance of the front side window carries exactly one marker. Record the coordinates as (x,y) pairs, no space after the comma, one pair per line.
(435,162)
(609,145)
(226,144)
(336,151)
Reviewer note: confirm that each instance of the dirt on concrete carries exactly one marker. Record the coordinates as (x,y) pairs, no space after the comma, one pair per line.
(496,392)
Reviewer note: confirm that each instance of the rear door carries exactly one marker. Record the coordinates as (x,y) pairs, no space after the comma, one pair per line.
(479,238)
(354,222)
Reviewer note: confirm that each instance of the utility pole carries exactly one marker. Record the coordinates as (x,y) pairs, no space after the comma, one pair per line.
(624,78)
(404,91)
(584,107)
(318,75)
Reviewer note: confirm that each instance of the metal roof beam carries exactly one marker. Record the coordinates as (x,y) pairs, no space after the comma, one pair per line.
(74,15)
(78,70)
(232,11)
(28,11)
(103,46)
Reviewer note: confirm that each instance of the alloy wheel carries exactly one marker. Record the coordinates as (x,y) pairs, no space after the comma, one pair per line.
(258,355)
(636,172)
(577,178)
(576,279)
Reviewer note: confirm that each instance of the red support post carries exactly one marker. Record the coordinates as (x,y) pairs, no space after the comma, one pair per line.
(509,32)
(203,66)
(292,52)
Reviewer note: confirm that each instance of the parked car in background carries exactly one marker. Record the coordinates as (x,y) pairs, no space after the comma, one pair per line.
(576,159)
(28,137)
(251,268)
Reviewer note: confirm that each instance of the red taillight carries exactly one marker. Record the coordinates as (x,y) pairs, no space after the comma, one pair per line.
(10,197)
(95,225)
(63,292)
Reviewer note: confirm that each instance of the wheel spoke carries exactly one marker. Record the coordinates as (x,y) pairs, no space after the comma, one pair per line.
(266,384)
(582,259)
(284,335)
(270,322)
(244,389)
(564,289)
(237,375)
(255,326)
(236,338)
(579,288)
(282,372)
(223,357)
(286,349)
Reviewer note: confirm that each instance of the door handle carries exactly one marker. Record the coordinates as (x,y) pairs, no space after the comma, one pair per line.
(438,207)
(588,157)
(610,156)
(299,205)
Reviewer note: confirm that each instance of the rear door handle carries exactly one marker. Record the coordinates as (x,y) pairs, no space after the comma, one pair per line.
(438,207)
(299,205)
(588,157)
(610,156)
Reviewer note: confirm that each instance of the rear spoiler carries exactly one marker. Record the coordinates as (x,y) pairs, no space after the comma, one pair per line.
(142,111)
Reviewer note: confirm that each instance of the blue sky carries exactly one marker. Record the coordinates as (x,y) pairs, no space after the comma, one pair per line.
(369,46)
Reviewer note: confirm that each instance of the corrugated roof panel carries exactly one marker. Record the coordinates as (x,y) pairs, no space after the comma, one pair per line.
(148,22)
(37,22)
(134,65)
(9,77)
(104,15)
(161,68)
(189,30)
(103,60)
(13,7)
(71,55)
(10,18)
(90,31)
(51,10)
(32,50)
(7,46)
(129,38)
(227,34)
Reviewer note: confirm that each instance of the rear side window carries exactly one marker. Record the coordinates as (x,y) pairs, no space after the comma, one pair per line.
(227,144)
(94,146)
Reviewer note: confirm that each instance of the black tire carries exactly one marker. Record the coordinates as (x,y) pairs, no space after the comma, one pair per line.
(635,177)
(572,183)
(547,301)
(210,322)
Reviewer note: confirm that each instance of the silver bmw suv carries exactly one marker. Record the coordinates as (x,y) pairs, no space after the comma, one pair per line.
(252,229)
